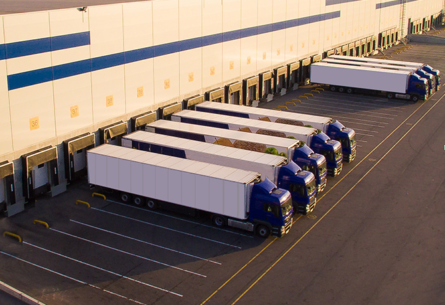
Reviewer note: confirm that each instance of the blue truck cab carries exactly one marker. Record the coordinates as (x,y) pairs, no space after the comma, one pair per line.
(417,88)
(430,78)
(270,209)
(346,136)
(315,163)
(301,184)
(332,151)
(434,72)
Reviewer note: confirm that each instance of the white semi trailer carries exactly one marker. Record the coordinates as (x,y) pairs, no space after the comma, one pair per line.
(233,197)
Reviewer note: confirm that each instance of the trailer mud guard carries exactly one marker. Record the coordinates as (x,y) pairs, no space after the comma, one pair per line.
(42,157)
(138,122)
(281,80)
(234,93)
(113,131)
(191,102)
(7,174)
(216,95)
(75,155)
(166,112)
(251,90)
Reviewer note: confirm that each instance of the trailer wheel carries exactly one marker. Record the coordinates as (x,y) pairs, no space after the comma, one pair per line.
(349,90)
(390,95)
(138,201)
(125,197)
(263,231)
(341,89)
(152,205)
(415,98)
(219,221)
(333,88)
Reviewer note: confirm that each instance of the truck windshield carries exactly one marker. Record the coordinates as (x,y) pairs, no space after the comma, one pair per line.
(338,154)
(352,140)
(286,206)
(322,169)
(310,187)
(344,142)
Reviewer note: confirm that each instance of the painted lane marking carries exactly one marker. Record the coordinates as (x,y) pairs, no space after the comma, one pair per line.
(178,218)
(128,253)
(366,135)
(337,116)
(144,242)
(169,229)
(288,250)
(353,108)
(366,130)
(333,110)
(102,269)
(71,278)
(354,102)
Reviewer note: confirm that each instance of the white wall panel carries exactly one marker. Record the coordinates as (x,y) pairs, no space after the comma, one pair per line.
(32,115)
(5,119)
(278,37)
(106,29)
(356,20)
(69,21)
(138,35)
(166,82)
(314,28)
(211,17)
(165,21)
(249,19)
(72,99)
(291,33)
(231,49)
(303,30)
(212,65)
(264,41)
(108,93)
(190,71)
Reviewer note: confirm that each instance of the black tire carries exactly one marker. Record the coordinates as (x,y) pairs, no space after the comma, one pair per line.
(414,98)
(152,205)
(138,201)
(263,231)
(219,221)
(390,95)
(333,88)
(341,89)
(349,91)
(125,197)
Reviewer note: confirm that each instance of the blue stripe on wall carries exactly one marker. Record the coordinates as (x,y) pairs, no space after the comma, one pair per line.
(43,45)
(332,2)
(2,52)
(391,3)
(20,80)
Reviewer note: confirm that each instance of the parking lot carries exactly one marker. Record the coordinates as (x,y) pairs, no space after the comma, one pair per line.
(359,246)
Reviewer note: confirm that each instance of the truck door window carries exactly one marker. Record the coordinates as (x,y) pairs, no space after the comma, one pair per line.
(271,209)
(296,188)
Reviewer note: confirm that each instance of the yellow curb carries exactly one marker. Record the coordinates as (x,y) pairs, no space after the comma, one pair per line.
(290,103)
(83,202)
(100,195)
(283,107)
(13,235)
(303,96)
(45,224)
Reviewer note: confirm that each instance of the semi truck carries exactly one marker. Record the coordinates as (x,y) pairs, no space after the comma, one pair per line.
(429,77)
(332,128)
(397,63)
(392,83)
(233,197)
(317,140)
(284,174)
(291,149)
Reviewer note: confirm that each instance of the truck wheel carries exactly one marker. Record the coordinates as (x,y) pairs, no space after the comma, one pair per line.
(341,89)
(152,205)
(138,201)
(390,95)
(219,221)
(349,90)
(125,197)
(263,231)
(333,88)
(415,98)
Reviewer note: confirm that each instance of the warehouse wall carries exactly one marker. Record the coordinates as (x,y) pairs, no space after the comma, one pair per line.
(66,72)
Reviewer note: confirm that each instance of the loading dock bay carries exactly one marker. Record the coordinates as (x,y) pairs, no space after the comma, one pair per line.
(375,237)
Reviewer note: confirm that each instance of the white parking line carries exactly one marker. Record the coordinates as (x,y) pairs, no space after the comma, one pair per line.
(355,123)
(355,113)
(366,130)
(155,225)
(360,119)
(342,118)
(185,220)
(102,269)
(353,107)
(71,278)
(363,134)
(375,100)
(362,141)
(355,102)
(359,145)
(145,242)
(128,253)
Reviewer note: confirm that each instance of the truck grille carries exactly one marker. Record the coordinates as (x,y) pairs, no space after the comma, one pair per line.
(351,157)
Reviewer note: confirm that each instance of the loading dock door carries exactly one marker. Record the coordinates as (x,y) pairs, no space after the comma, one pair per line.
(234,93)
(294,75)
(192,102)
(304,71)
(166,112)
(216,95)
(281,80)
(138,122)
(266,86)
(338,51)
(345,49)
(40,171)
(7,188)
(251,90)
(75,155)
(112,134)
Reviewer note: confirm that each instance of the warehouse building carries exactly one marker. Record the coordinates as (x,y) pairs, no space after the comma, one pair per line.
(73,78)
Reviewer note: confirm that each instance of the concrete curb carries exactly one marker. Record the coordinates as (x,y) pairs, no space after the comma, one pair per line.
(19,295)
